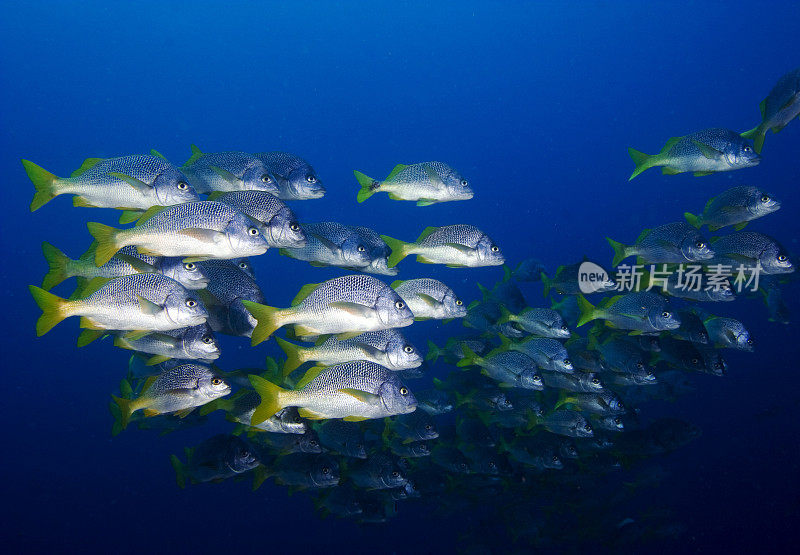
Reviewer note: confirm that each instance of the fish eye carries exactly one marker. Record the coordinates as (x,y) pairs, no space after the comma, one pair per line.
(564,328)
(313,442)
(326,470)
(403,390)
(588,427)
(311,179)
(492,465)
(400,304)
(408,349)
(700,244)
(294,227)
(666,314)
(266,179)
(537,378)
(618,420)
(428,427)
(191,303)
(555,459)
(749,341)
(207,339)
(189,266)
(243,265)
(747,149)
(595,381)
(459,302)
(567,362)
(764,198)
(361,248)
(495,248)
(182,185)
(639,365)
(216,381)
(782,258)
(253,231)
(395,474)
(695,361)
(464,182)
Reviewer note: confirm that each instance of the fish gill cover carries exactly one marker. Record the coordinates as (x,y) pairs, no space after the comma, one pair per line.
(541,370)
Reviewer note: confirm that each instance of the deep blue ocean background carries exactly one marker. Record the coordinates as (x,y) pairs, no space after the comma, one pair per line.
(534,102)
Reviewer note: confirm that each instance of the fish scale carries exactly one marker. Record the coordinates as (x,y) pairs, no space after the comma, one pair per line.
(206,180)
(282,163)
(462,234)
(260,205)
(317,251)
(205,214)
(363,290)
(122,292)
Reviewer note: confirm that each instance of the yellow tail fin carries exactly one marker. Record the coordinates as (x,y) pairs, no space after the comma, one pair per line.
(126,409)
(44,182)
(57,261)
(270,399)
(53,309)
(268,318)
(399,250)
(106,242)
(294,356)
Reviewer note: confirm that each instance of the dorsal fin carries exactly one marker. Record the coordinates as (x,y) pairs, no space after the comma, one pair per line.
(397,169)
(396,283)
(426,232)
(88,164)
(642,235)
(93,286)
(309,376)
(672,141)
(214,195)
(157,154)
(149,213)
(196,154)
(304,292)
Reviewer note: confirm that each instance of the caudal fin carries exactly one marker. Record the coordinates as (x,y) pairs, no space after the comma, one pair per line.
(294,356)
(399,250)
(757,135)
(267,318)
(44,182)
(270,402)
(547,283)
(125,410)
(180,471)
(587,311)
(619,251)
(433,351)
(106,242)
(469,359)
(57,261)
(368,186)
(53,309)
(643,161)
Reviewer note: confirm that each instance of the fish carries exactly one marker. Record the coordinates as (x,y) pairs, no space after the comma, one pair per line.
(681,354)
(353,391)
(620,355)
(216,459)
(415,426)
(727,332)
(347,305)
(434,401)
(747,249)
(297,180)
(506,292)
(389,348)
(566,281)
(340,501)
(150,302)
(189,343)
(533,454)
(544,322)
(691,328)
(331,244)
(284,444)
(228,286)
(281,228)
(430,299)
(608,423)
(548,354)
(781,106)
(565,423)
(413,449)
(377,250)
(427,183)
(690,282)
(228,171)
(244,265)
(379,471)
(603,403)
(508,368)
(639,312)
(344,438)
(773,299)
(176,390)
(453,350)
(194,231)
(300,471)
(676,242)
(579,382)
(457,246)
(704,152)
(241,406)
(529,269)
(450,459)
(737,207)
(134,182)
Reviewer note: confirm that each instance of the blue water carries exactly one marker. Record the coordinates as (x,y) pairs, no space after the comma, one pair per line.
(535,104)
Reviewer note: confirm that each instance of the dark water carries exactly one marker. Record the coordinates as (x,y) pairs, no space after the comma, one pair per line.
(536,104)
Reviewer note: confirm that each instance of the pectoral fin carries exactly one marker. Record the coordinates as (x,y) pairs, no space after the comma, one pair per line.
(148,307)
(460,248)
(428,300)
(363,396)
(330,245)
(137,184)
(226,175)
(203,235)
(354,309)
(708,151)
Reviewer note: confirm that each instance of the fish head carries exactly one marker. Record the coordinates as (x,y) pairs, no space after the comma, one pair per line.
(284,230)
(500,401)
(592,382)
(581,428)
(662,317)
(323,472)
(245,265)
(774,260)
(246,236)
(185,308)
(529,379)
(380,265)
(740,153)
(453,306)
(392,309)
(760,203)
(742,339)
(188,274)
(568,450)
(303,184)
(695,247)
(355,251)
(257,178)
(721,292)
(308,442)
(210,386)
(172,187)
(489,253)
(290,421)
(402,353)
(458,188)
(396,397)
(715,363)
(240,456)
(420,449)
(558,328)
(199,343)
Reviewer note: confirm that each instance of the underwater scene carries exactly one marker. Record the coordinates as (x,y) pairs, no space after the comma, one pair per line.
(403,277)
